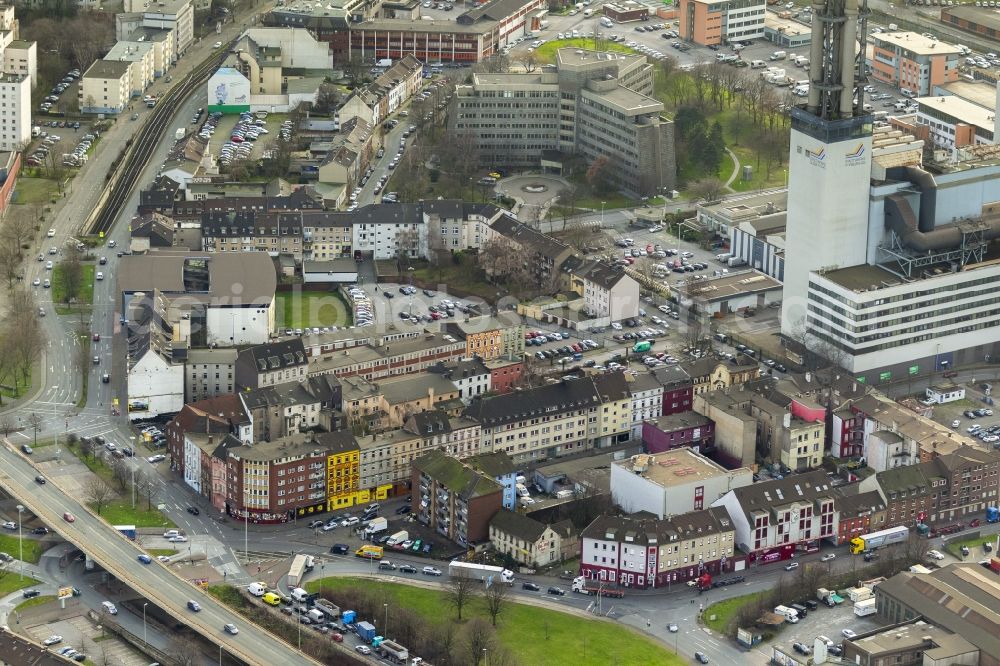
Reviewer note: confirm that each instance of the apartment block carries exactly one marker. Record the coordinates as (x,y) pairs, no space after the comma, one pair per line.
(658,553)
(142,58)
(15,111)
(912,62)
(305,405)
(271,364)
(596,104)
(209,373)
(711,374)
(647,401)
(454,499)
(775,518)
(105,87)
(531,543)
(490,337)
(21,58)
(543,422)
(708,22)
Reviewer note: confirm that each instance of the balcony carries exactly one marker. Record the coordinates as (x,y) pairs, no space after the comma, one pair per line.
(317,496)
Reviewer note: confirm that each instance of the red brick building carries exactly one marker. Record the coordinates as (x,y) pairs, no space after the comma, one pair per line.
(453,499)
(504,374)
(860,513)
(678,389)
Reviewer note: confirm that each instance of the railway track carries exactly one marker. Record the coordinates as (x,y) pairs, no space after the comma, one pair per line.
(125,175)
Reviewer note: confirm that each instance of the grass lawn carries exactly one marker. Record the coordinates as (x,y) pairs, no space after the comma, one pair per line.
(611,201)
(465,275)
(34,190)
(724,611)
(975,546)
(547,52)
(161,551)
(310,308)
(12,582)
(86,295)
(534,635)
(122,513)
(37,601)
(32,549)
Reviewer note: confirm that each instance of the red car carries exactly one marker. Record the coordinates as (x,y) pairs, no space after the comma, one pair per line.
(69,517)
(337,637)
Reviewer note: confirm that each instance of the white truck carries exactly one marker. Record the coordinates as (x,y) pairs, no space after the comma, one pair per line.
(257,589)
(481,572)
(866,607)
(398,537)
(376,526)
(789,614)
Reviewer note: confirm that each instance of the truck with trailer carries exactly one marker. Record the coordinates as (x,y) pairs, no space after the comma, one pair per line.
(366,631)
(865,607)
(331,609)
(127,531)
(300,566)
(481,572)
(583,586)
(875,540)
(394,651)
(702,582)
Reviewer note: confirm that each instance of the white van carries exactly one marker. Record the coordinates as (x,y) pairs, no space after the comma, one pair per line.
(299,594)
(606,22)
(723,257)
(788,613)
(778,55)
(588,12)
(257,589)
(757,64)
(109,608)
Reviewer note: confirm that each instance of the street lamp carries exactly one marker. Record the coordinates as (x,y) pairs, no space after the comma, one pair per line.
(602,214)
(20,541)
(220,655)
(385,627)
(144,622)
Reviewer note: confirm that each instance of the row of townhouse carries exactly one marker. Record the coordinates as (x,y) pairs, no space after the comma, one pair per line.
(381,231)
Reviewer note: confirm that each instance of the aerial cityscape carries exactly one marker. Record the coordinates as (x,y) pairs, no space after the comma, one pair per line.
(503,333)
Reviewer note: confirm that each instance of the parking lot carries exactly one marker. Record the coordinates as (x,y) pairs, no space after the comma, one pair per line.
(827,622)
(60,142)
(232,137)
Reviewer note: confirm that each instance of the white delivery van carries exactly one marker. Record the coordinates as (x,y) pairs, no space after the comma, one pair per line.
(778,55)
(606,22)
(299,594)
(758,64)
(257,589)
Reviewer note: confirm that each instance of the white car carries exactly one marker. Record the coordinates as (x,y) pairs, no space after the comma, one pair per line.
(180,538)
(157,458)
(99,276)
(363,649)
(847,633)
(935,555)
(217,45)
(52,640)
(827,557)
(52,233)
(10,525)
(231,629)
(672,628)
(615,325)
(431,571)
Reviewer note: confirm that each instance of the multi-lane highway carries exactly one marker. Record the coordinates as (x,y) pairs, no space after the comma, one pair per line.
(118,556)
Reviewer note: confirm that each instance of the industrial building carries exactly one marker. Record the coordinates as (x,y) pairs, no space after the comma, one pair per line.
(887,264)
(962,598)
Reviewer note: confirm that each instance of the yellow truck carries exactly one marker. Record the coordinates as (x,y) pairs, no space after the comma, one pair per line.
(370,552)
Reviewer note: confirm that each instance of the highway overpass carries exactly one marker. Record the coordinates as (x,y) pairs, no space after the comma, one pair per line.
(117,555)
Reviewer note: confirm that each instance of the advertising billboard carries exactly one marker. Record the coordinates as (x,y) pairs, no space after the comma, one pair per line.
(228,91)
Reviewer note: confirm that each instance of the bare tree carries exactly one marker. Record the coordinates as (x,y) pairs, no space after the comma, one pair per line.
(501,259)
(479,639)
(98,493)
(459,591)
(708,189)
(185,652)
(71,274)
(529,61)
(35,421)
(121,473)
(7,426)
(498,63)
(495,599)
(148,487)
(10,261)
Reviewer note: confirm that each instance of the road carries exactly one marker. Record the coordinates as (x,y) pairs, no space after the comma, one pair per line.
(118,556)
